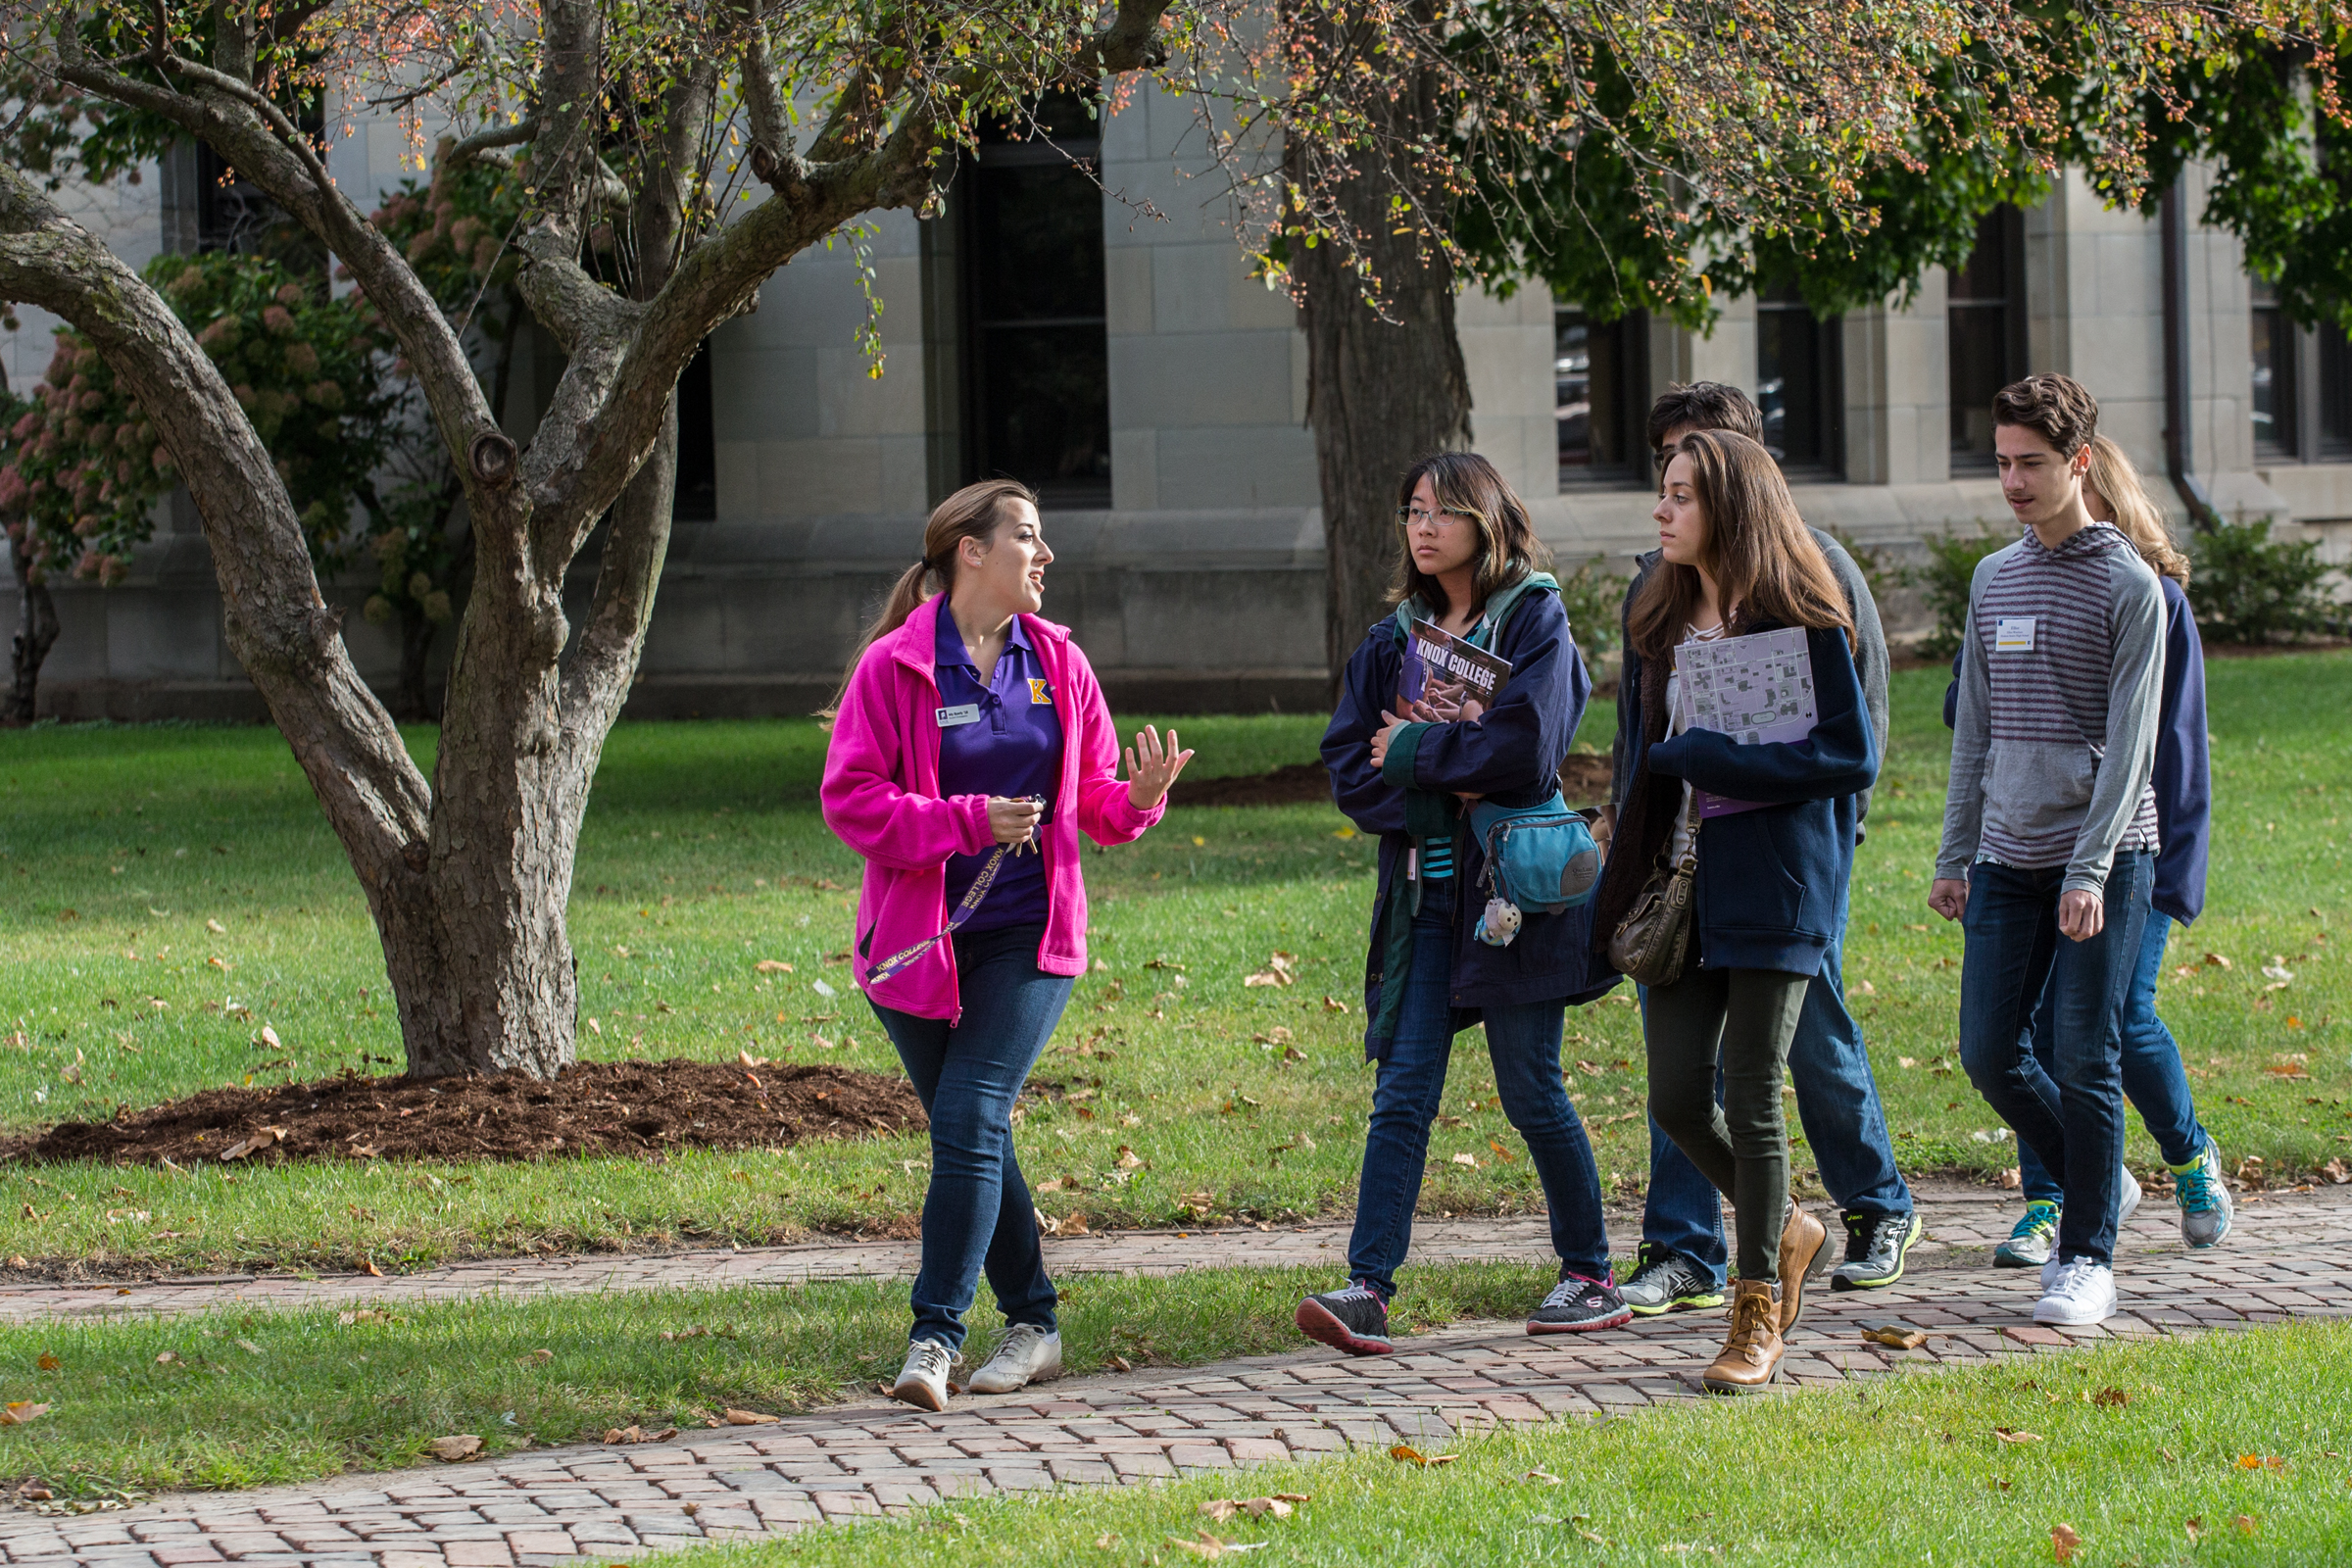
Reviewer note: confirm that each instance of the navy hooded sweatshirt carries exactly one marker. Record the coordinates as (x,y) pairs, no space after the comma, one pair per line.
(1512,757)
(2183,776)
(1768,879)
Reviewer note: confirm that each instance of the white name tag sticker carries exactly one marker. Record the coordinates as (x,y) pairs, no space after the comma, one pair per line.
(962,713)
(2013,634)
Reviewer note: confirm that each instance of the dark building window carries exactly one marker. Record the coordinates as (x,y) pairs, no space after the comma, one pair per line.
(2333,394)
(1800,383)
(1985,327)
(1037,379)
(695,497)
(2277,432)
(2301,396)
(1601,397)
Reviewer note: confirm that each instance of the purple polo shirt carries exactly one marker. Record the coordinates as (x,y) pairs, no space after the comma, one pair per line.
(1007,742)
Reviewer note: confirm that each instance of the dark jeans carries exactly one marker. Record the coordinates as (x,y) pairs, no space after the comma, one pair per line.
(1523,1041)
(2154,1081)
(2071,1114)
(1836,1101)
(1734,1025)
(977,1213)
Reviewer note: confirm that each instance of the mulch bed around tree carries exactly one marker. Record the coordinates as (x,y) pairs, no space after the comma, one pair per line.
(1585,779)
(595,1107)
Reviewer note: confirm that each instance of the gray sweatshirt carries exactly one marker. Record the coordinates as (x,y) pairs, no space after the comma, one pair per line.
(2061,687)
(1870,662)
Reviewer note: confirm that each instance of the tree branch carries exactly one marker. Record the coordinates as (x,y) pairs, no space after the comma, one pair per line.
(272,152)
(469,149)
(276,622)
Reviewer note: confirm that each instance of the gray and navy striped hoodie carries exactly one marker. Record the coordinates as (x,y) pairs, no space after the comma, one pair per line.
(2061,686)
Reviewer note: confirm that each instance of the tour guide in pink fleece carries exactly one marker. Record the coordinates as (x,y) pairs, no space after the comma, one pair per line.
(970,746)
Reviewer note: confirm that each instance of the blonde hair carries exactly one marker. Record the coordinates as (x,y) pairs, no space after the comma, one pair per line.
(2117,481)
(975,512)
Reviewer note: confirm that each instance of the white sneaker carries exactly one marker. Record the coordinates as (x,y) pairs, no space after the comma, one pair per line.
(2127,1194)
(923,1379)
(2082,1294)
(1026,1354)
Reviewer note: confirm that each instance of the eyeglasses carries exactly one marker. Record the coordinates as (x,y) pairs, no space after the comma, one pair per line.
(1414,517)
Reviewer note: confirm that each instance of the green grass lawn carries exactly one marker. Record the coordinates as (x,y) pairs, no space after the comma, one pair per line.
(165,892)
(240,1398)
(2228,1449)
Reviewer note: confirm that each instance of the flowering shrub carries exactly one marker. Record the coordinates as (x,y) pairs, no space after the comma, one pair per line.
(84,466)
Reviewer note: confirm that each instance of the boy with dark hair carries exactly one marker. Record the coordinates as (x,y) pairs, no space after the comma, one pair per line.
(2049,822)
(1682,1258)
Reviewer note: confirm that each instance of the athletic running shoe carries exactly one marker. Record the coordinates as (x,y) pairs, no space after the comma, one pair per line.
(1577,1305)
(2082,1293)
(2031,1239)
(1354,1320)
(1875,1248)
(2128,1194)
(2206,1210)
(1026,1354)
(1668,1282)
(923,1379)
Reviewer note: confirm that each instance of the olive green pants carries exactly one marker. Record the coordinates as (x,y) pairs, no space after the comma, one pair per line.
(1742,1021)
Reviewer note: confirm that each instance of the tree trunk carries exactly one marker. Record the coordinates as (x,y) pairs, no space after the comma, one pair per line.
(1380,393)
(36,634)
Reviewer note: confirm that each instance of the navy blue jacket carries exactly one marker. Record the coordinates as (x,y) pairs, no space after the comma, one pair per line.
(1769,880)
(2184,778)
(1511,756)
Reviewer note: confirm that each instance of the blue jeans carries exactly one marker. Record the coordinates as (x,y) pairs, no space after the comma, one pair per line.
(2071,1114)
(1836,1101)
(977,1213)
(1523,1041)
(2154,1080)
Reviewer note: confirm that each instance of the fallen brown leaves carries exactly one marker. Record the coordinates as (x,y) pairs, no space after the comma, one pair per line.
(1281,1505)
(2064,1542)
(633,1433)
(1405,1453)
(17,1412)
(448,1450)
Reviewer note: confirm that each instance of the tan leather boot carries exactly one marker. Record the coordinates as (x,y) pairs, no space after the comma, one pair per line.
(1803,1237)
(1751,1355)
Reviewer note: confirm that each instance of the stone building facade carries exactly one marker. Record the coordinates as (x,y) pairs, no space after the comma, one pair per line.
(1126,362)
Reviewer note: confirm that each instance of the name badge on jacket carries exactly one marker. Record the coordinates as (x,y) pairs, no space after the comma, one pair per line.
(962,713)
(2013,634)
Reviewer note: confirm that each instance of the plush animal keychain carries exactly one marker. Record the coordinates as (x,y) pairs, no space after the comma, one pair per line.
(1500,924)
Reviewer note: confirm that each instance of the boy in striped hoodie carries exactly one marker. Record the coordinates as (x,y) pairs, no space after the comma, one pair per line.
(2049,823)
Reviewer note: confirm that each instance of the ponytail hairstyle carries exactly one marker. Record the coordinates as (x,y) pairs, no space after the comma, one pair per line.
(1764,560)
(2117,481)
(1468,487)
(973,513)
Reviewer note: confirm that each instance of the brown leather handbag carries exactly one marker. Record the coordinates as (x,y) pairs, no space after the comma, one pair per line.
(1651,944)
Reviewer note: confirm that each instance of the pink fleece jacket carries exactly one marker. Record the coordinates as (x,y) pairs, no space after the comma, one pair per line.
(881,798)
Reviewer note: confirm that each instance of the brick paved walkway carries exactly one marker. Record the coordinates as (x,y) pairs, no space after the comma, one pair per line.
(1959,1215)
(2290,1257)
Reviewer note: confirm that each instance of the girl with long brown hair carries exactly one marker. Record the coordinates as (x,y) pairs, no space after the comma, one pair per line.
(970,746)
(1738,560)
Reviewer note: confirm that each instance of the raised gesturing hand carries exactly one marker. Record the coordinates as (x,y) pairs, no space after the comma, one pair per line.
(1151,768)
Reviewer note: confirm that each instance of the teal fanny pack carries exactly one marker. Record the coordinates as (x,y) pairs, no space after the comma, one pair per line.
(1540,858)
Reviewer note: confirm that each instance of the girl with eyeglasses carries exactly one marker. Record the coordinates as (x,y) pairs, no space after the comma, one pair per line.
(1468,561)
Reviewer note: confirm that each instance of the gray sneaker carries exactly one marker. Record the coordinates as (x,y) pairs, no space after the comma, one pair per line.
(2032,1239)
(2206,1210)
(923,1379)
(1026,1354)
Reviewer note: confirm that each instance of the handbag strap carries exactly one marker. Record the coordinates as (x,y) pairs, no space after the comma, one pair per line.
(1689,862)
